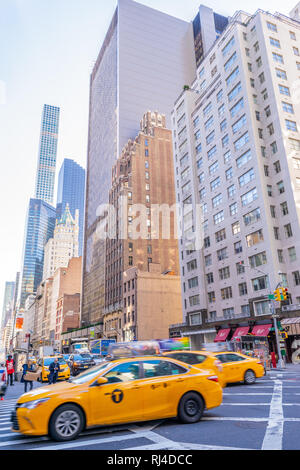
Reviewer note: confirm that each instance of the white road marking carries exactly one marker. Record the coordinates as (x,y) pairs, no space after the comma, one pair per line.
(274,432)
(71,445)
(247,394)
(254,420)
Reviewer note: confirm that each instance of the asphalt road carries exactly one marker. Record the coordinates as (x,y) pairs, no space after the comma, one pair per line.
(263,416)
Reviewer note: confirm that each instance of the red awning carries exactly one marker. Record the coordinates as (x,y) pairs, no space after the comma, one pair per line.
(242,331)
(222,335)
(261,330)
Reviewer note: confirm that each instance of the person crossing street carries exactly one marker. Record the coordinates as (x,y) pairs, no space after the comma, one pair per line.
(54,369)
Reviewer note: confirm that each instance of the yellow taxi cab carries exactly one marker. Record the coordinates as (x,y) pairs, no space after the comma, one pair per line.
(115,392)
(201,359)
(238,367)
(44,364)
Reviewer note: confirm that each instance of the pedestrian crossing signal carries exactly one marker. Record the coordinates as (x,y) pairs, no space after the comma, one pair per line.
(284,335)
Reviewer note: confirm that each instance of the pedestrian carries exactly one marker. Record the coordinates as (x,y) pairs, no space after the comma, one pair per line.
(273,360)
(10,367)
(54,369)
(27,367)
(3,380)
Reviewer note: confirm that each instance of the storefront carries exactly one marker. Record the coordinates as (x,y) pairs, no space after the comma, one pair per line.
(292,328)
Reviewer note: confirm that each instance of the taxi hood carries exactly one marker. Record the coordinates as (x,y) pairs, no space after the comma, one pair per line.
(46,391)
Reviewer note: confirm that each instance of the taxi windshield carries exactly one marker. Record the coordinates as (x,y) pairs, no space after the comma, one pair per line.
(49,361)
(89,374)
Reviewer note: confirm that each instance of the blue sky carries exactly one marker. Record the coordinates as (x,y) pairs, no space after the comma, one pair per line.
(47,51)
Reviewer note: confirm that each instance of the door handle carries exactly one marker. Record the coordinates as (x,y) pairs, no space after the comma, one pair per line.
(180,380)
(136,388)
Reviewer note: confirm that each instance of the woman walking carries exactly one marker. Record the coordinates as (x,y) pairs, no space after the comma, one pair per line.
(27,367)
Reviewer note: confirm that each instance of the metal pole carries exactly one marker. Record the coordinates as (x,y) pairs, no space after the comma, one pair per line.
(274,316)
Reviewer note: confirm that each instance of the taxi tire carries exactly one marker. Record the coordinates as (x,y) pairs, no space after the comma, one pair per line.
(191,407)
(59,411)
(249,377)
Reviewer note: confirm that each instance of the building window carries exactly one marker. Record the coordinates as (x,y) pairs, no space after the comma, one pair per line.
(210,278)
(260,283)
(238,247)
(291,125)
(211,297)
(288,231)
(284,208)
(262,308)
(292,254)
(208,260)
(224,273)
(296,276)
(222,254)
(243,289)
(194,300)
(221,235)
(240,268)
(258,260)
(228,313)
(236,228)
(233,208)
(226,293)
(254,238)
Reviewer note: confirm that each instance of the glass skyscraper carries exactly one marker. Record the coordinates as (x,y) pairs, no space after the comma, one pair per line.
(45,176)
(71,190)
(7,302)
(40,223)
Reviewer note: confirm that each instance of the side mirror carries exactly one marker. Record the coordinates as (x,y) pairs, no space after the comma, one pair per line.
(101,381)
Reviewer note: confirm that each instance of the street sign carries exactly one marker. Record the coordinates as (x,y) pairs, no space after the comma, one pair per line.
(271,297)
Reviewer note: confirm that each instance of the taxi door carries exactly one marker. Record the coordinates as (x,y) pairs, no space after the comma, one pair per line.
(163,385)
(230,367)
(120,400)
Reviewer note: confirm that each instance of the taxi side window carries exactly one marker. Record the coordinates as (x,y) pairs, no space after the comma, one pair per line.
(235,357)
(223,357)
(123,373)
(189,358)
(161,369)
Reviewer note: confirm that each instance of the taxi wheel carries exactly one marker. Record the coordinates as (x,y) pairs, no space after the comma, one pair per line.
(249,377)
(190,408)
(66,423)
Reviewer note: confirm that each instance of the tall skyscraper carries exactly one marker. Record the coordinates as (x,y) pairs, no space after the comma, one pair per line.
(7,302)
(146,58)
(40,223)
(143,176)
(71,191)
(64,244)
(45,175)
(237,157)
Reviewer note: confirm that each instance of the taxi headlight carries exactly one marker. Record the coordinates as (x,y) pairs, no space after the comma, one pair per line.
(30,405)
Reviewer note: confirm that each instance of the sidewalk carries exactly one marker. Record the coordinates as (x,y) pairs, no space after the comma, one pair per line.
(15,391)
(292,368)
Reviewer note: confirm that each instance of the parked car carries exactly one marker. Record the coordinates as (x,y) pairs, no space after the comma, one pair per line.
(78,363)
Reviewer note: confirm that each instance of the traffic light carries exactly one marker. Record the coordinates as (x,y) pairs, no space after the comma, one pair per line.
(277,294)
(284,291)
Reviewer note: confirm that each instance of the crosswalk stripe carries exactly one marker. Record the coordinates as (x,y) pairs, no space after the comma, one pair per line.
(94,442)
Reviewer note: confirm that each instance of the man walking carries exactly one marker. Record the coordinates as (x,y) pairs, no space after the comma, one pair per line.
(10,367)
(54,368)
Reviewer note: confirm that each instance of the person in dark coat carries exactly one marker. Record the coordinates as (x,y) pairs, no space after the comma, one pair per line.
(54,369)
(27,367)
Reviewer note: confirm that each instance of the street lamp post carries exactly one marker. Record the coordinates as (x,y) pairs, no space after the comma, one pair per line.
(273,313)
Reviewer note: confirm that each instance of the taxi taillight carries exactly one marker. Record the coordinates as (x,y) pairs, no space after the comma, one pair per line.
(214,378)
